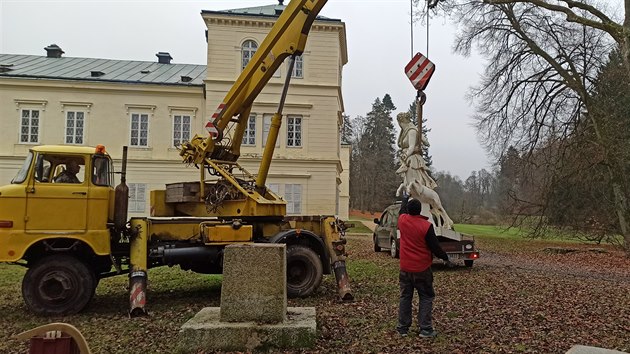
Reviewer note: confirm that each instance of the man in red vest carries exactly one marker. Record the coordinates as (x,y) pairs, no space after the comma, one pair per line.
(418,244)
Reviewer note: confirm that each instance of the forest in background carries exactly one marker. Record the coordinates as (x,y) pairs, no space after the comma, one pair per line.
(560,185)
(552,107)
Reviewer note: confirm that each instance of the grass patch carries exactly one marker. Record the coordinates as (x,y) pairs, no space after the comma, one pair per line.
(10,274)
(363,216)
(490,231)
(363,269)
(359,227)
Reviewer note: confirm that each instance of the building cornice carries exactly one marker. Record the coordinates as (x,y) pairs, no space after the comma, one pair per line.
(295,105)
(98,86)
(262,21)
(210,82)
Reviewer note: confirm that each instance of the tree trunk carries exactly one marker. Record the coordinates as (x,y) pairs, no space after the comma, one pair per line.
(625,45)
(615,172)
(621,199)
(623,213)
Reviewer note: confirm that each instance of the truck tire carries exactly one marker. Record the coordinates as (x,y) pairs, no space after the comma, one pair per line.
(58,285)
(393,250)
(468,262)
(377,248)
(304,271)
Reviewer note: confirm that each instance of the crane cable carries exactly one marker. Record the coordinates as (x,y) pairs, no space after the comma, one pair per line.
(428,17)
(430,5)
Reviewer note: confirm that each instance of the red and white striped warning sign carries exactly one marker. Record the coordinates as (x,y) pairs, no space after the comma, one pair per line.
(218,111)
(137,296)
(419,71)
(212,129)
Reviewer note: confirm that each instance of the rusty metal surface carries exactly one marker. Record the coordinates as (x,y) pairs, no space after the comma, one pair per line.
(343,282)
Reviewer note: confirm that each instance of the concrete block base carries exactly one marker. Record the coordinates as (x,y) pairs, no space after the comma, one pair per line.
(582,349)
(206,332)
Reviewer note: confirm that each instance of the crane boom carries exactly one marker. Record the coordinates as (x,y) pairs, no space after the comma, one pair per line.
(287,38)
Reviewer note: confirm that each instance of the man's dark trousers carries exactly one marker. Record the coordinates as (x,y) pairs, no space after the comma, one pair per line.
(423,283)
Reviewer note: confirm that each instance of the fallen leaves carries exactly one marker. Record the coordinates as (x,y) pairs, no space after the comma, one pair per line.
(516,299)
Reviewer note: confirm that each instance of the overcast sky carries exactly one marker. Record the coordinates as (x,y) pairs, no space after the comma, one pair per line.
(378,47)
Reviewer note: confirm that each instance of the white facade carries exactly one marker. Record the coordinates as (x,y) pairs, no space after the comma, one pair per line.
(309,167)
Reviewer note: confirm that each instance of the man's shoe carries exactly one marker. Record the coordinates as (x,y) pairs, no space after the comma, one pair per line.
(403,334)
(426,333)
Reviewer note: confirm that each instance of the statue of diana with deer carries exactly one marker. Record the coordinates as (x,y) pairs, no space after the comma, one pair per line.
(417,182)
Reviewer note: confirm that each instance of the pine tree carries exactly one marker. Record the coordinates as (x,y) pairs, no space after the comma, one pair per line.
(346,130)
(373,174)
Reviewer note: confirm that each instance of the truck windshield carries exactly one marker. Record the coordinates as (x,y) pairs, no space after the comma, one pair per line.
(23,172)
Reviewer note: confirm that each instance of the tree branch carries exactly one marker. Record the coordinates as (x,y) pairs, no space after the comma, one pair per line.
(606,24)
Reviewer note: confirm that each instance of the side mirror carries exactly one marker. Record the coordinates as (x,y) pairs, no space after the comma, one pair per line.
(377,221)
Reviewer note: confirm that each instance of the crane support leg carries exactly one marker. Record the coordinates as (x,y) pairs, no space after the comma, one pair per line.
(336,245)
(138,268)
(343,283)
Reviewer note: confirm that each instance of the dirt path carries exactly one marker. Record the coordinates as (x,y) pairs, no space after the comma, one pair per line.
(369,224)
(557,265)
(582,264)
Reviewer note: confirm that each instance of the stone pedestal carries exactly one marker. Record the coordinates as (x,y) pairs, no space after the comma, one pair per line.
(582,349)
(253,312)
(254,283)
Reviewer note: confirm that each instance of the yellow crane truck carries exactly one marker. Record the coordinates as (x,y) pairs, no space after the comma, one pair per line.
(71,232)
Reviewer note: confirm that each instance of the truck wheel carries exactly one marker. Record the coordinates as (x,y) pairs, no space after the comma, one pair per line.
(468,262)
(58,285)
(304,271)
(393,250)
(377,248)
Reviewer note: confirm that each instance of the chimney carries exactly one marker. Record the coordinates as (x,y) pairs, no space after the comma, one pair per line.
(280,7)
(4,68)
(164,57)
(53,51)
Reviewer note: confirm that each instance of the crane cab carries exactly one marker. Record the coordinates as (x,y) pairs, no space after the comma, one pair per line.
(60,193)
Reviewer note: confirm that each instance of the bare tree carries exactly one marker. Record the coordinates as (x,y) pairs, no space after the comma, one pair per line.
(543,57)
(591,14)
(346,130)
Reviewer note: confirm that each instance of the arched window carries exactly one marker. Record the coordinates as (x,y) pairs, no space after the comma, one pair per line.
(248,49)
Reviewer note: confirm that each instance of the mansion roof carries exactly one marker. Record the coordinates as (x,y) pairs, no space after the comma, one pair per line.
(101,70)
(260,11)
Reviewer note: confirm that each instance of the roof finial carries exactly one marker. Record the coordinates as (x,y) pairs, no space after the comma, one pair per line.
(280,2)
